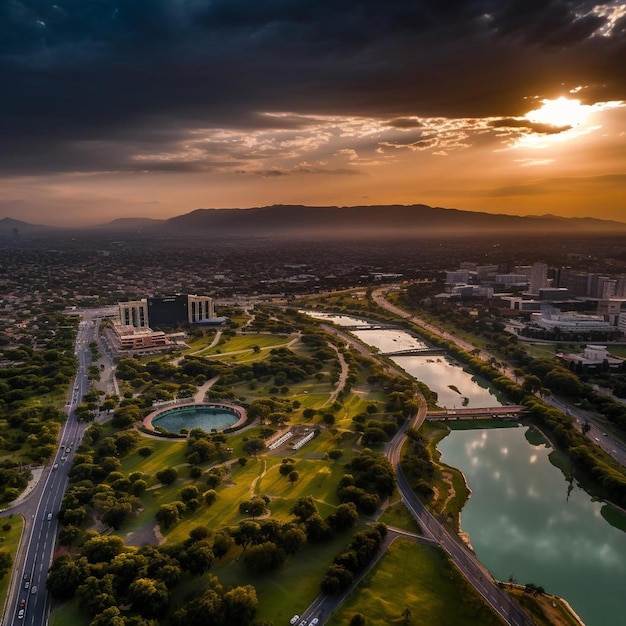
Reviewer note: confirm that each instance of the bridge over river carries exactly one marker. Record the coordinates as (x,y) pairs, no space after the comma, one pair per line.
(372,326)
(415,352)
(511,411)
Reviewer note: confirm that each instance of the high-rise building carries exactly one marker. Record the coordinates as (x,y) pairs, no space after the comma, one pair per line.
(169,311)
(200,309)
(134,313)
(538,277)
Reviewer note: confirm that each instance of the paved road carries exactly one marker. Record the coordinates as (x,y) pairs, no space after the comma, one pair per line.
(27,591)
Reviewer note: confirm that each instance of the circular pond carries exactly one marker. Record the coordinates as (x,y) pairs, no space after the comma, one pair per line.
(208,417)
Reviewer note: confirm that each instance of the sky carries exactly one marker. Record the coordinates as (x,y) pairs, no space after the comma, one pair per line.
(154,108)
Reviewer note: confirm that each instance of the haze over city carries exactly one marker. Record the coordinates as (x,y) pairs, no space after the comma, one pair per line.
(153,109)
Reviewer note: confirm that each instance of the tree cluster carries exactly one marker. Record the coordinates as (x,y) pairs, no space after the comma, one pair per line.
(354,559)
(371,478)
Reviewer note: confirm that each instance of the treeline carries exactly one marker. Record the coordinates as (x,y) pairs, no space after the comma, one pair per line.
(33,377)
(418,466)
(360,552)
(369,479)
(124,586)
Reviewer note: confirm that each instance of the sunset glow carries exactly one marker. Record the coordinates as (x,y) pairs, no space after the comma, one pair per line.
(560,112)
(156,109)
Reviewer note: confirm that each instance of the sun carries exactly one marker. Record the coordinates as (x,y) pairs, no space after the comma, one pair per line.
(560,112)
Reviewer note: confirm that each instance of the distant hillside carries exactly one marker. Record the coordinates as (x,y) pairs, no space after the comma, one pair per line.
(372,221)
(297,221)
(10,227)
(126,224)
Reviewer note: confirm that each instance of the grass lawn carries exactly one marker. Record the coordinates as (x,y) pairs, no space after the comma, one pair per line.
(9,540)
(279,596)
(247,342)
(396,514)
(546,610)
(431,588)
(68,614)
(450,488)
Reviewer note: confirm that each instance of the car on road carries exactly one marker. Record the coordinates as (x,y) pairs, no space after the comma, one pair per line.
(34,589)
(314,621)
(49,516)
(23,602)
(294,619)
(27,584)
(303,623)
(20,614)
(55,466)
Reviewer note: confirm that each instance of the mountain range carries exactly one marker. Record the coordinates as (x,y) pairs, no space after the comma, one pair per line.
(297,221)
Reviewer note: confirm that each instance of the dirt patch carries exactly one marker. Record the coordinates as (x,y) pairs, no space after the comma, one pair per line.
(144,536)
(447,478)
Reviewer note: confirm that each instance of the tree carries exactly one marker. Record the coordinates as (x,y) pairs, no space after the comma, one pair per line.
(346,516)
(111,616)
(531,383)
(170,514)
(64,577)
(189,492)
(264,557)
(286,467)
(292,539)
(221,543)
(304,508)
(96,595)
(246,533)
(357,620)
(167,476)
(198,558)
(240,604)
(101,549)
(254,507)
(6,561)
(293,476)
(149,597)
(254,445)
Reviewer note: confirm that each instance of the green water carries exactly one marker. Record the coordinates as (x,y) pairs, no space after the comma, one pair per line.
(527,521)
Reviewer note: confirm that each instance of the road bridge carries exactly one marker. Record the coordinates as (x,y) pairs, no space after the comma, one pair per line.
(371,327)
(511,411)
(415,352)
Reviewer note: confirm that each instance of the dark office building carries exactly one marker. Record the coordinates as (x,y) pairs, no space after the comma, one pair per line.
(168,311)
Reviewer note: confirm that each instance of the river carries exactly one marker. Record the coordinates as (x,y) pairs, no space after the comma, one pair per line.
(527,521)
(524,519)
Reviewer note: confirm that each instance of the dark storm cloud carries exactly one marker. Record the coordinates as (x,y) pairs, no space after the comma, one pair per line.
(80,73)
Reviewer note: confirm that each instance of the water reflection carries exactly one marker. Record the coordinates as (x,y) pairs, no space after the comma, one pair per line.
(526,520)
(455,388)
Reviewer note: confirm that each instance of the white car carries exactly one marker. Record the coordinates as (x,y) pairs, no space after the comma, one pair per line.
(314,621)
(294,619)
(20,614)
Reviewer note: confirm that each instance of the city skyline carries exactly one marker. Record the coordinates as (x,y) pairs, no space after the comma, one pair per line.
(154,109)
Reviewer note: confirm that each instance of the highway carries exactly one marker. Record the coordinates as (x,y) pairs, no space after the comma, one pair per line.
(27,599)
